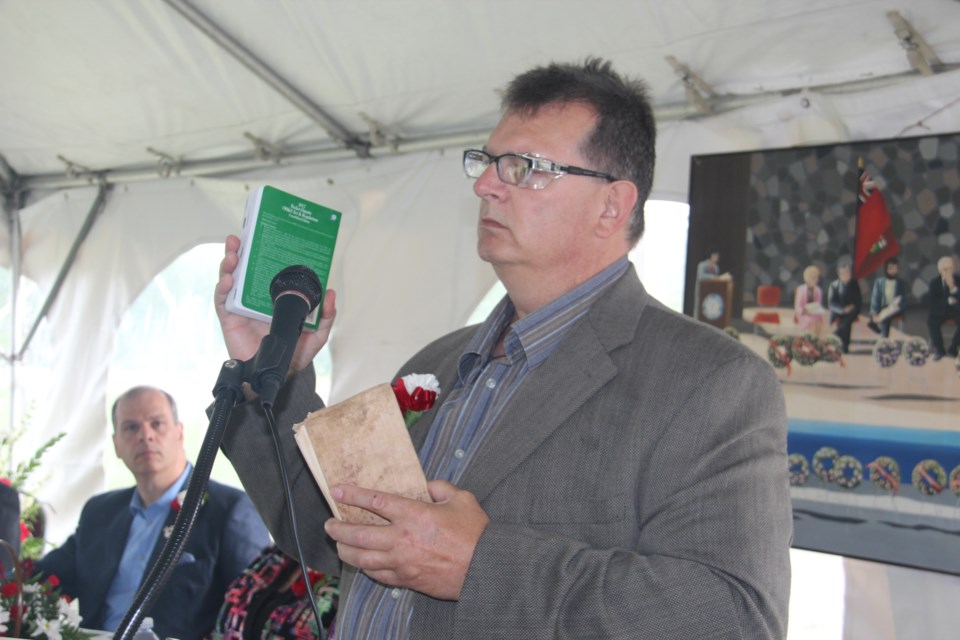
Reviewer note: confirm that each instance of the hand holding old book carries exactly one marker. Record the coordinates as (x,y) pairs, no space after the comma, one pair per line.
(363,441)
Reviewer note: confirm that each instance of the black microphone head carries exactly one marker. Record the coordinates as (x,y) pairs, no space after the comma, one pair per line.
(300,280)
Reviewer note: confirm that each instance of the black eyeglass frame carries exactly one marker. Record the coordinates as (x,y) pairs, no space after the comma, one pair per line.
(535,164)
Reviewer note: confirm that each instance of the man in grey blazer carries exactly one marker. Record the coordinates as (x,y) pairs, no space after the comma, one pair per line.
(600,466)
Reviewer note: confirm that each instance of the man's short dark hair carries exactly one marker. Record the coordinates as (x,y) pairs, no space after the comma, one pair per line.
(135,391)
(623,143)
(890,261)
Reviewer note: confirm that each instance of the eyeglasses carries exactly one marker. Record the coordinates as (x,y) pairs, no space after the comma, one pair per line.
(522,169)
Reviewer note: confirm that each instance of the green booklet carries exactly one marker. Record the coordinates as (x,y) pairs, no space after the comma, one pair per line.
(280,230)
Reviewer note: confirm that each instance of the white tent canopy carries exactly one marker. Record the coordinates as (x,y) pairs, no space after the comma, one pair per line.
(365,106)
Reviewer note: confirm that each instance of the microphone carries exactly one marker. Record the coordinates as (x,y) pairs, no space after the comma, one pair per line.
(295,291)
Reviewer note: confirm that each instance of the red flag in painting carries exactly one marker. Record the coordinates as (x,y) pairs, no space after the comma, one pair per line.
(875,242)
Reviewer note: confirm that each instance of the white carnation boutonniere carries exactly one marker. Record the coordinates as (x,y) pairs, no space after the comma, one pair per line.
(416,393)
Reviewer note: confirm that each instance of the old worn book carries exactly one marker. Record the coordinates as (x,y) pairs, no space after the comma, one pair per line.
(362,441)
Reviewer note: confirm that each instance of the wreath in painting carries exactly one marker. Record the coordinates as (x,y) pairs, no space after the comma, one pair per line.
(824,463)
(929,477)
(799,469)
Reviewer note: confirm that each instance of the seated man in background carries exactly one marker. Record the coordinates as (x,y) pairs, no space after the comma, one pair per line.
(121,532)
(887,298)
(944,305)
(844,301)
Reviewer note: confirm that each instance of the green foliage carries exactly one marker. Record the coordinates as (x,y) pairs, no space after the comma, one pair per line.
(25,469)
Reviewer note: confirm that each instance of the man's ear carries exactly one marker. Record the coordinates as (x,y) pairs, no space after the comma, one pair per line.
(621,197)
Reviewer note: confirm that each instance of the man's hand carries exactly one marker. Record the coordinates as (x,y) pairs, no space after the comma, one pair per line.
(425,547)
(243,335)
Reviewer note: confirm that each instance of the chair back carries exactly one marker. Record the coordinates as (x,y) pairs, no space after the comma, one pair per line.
(768,295)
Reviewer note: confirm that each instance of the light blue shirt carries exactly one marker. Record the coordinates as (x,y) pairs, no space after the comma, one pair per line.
(144,531)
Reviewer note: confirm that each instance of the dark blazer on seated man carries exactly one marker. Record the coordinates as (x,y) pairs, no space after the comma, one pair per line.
(9,522)
(121,533)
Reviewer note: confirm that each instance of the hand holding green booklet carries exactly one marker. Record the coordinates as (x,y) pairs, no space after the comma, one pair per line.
(280,230)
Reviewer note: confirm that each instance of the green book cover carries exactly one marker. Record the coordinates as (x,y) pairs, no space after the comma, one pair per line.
(280,230)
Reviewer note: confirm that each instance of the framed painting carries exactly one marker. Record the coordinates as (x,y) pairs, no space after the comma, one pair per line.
(873,404)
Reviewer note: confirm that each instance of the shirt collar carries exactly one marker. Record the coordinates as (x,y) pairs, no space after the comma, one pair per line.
(535,336)
(163,502)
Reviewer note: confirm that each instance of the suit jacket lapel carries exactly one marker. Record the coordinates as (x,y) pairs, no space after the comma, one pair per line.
(577,370)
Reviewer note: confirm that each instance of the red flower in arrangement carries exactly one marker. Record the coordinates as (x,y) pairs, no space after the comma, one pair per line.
(31,605)
(416,393)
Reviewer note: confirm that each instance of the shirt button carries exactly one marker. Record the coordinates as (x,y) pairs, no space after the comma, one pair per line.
(458,453)
(491,383)
(395,593)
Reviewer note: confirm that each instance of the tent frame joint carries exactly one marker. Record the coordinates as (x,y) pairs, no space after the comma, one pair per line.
(167,165)
(263,150)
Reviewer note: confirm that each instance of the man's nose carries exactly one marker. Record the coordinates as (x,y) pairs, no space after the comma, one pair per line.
(489,183)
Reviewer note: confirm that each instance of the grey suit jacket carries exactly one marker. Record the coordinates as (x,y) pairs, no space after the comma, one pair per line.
(636,486)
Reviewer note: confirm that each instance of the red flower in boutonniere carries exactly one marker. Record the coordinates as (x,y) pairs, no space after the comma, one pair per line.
(416,393)
(177,502)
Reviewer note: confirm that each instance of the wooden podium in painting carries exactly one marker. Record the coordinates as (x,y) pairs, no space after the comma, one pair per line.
(713,303)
